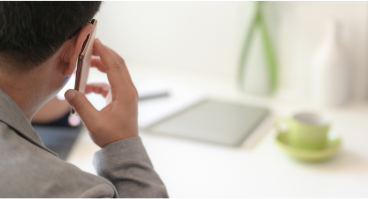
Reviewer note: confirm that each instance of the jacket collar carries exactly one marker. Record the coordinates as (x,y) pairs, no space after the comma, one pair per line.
(11,114)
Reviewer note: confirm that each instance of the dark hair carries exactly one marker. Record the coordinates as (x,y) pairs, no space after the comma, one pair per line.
(31,32)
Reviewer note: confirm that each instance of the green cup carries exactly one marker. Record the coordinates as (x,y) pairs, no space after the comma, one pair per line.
(306,130)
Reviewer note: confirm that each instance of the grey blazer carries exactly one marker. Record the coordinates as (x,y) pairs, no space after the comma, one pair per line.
(29,169)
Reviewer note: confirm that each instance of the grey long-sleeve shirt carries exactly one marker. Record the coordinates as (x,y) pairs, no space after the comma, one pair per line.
(29,169)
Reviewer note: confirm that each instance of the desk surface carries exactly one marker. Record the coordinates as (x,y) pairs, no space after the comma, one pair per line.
(196,169)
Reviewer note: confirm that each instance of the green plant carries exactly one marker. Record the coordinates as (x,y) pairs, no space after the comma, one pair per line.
(258,21)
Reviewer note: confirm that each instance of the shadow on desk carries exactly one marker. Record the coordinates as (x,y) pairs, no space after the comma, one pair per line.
(344,162)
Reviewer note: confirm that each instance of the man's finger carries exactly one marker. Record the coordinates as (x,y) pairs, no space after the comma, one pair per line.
(122,65)
(98,88)
(114,72)
(106,57)
(96,62)
(94,52)
(82,106)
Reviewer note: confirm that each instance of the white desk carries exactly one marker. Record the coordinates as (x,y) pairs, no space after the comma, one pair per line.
(195,169)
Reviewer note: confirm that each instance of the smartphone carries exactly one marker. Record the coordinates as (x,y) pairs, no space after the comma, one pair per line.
(84,61)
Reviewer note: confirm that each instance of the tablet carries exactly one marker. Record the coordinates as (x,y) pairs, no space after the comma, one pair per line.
(213,121)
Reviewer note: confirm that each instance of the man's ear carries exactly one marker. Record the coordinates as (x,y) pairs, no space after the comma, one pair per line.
(75,48)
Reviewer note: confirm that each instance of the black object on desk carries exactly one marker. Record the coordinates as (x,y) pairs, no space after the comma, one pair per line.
(59,139)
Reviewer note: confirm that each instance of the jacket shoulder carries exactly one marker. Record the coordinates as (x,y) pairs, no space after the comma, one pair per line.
(27,170)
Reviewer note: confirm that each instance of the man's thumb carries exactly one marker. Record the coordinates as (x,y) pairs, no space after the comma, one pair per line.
(81,105)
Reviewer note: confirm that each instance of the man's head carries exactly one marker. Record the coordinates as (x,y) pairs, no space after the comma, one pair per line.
(40,43)
(31,32)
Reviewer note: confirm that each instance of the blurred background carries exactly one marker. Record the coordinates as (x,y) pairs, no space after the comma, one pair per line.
(206,38)
(284,56)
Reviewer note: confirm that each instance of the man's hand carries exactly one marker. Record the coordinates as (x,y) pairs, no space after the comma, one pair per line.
(118,120)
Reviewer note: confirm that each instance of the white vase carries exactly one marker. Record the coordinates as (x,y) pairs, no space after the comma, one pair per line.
(332,78)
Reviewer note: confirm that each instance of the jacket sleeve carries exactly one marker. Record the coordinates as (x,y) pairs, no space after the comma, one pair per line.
(125,163)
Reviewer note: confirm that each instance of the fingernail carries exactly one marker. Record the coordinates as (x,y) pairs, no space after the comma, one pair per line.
(69,95)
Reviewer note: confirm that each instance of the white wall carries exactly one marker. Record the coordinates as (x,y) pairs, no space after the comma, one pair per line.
(198,35)
(207,36)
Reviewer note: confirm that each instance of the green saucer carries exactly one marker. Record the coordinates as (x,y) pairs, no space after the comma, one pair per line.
(332,146)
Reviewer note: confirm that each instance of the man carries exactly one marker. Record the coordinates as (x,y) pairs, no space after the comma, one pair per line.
(39,46)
